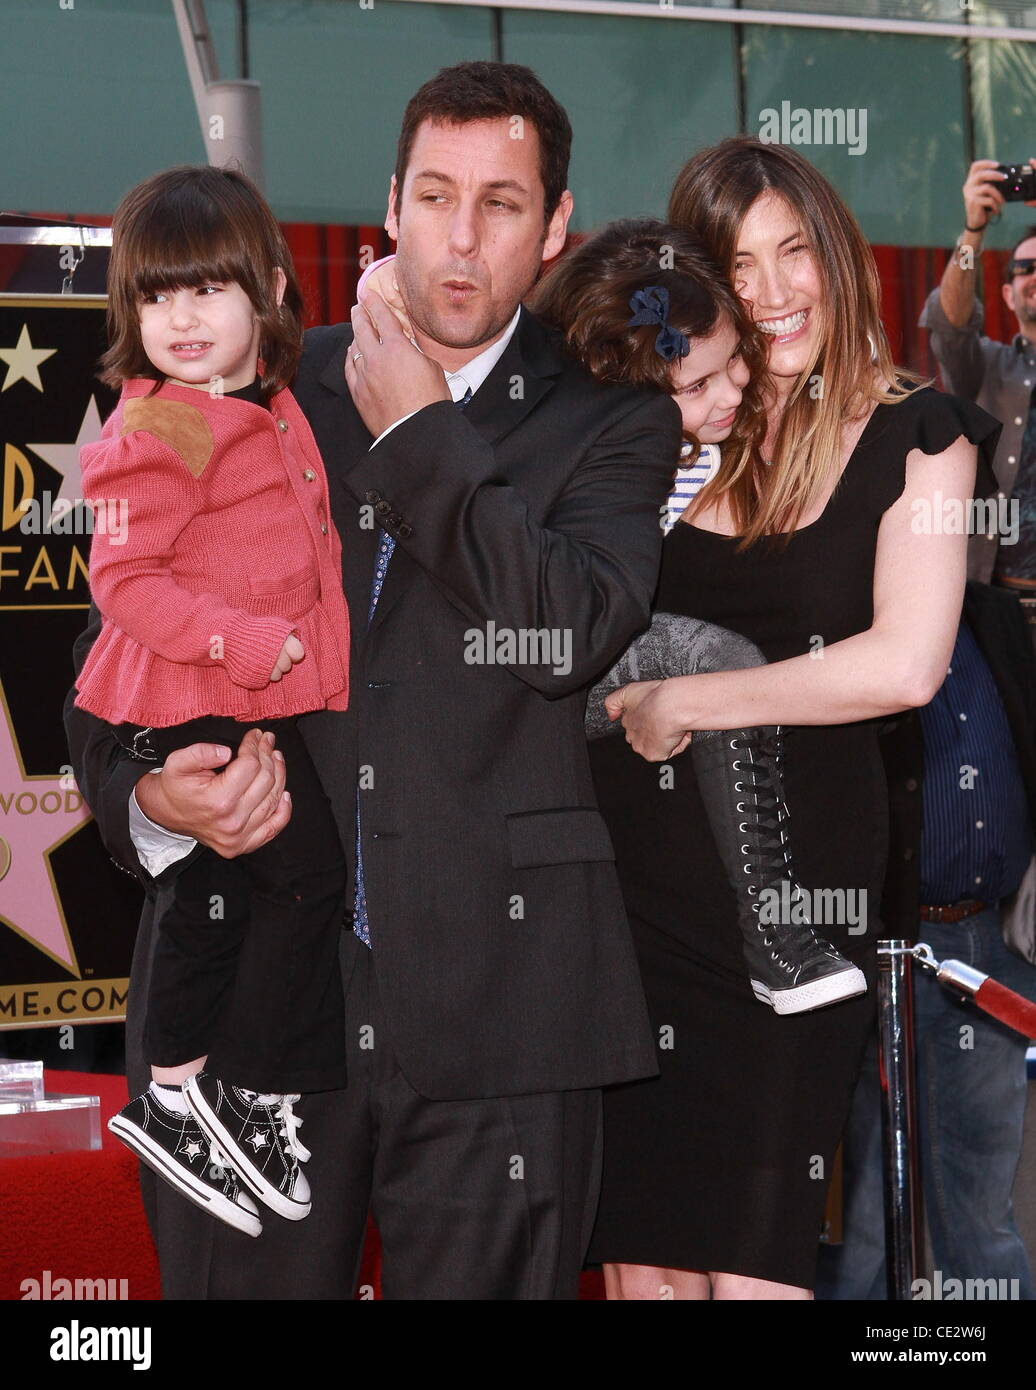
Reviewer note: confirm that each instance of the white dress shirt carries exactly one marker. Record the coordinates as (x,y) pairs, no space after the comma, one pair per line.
(158,848)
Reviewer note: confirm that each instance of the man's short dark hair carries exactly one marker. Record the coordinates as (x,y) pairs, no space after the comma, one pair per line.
(1027,235)
(485,91)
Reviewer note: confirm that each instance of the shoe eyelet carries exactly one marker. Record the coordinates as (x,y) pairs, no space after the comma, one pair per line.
(736,765)
(738,787)
(741,808)
(744,848)
(743,827)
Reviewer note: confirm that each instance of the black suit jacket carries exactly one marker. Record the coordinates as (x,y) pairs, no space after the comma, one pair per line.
(500,939)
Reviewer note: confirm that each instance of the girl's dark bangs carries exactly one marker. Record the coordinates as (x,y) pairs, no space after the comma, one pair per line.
(182,276)
(173,255)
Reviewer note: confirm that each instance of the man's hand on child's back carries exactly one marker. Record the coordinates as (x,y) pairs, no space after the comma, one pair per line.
(232,804)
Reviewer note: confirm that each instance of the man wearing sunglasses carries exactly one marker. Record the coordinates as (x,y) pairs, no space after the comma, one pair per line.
(1000,377)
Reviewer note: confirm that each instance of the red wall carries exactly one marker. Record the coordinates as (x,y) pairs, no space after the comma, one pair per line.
(327,262)
(326,259)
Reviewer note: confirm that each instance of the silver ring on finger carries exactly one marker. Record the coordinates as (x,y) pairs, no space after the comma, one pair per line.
(357,357)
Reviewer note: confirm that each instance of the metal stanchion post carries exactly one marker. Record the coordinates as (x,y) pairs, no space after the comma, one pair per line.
(898,1119)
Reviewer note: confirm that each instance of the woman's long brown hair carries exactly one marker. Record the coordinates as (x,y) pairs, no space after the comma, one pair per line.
(586,294)
(184,227)
(853,366)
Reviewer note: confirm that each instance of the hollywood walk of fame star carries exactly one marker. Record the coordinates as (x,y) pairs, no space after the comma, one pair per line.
(33,823)
(23,361)
(64,458)
(258,1140)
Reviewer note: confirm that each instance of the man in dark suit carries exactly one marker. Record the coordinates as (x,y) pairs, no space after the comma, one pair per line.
(496,559)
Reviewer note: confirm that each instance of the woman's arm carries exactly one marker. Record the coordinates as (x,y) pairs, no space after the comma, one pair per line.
(898,663)
(672,646)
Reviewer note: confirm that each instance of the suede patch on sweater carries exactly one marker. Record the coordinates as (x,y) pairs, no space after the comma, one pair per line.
(183,427)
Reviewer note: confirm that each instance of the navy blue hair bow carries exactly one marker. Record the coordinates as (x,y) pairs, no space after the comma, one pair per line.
(651,305)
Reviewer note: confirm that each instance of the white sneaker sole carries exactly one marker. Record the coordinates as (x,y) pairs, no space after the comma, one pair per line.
(183,1179)
(254,1181)
(830,990)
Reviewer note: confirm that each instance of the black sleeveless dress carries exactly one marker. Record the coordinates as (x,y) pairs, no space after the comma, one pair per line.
(723,1161)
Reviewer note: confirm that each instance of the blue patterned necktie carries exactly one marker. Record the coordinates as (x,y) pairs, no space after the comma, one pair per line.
(386,545)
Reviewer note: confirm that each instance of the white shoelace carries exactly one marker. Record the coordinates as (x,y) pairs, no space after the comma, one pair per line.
(289,1128)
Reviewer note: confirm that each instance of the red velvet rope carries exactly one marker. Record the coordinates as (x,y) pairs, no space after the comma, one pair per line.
(1006,1006)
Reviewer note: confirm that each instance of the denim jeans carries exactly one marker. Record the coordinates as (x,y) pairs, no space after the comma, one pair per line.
(971,1093)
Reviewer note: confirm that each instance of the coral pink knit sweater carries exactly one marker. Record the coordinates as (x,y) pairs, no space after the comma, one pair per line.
(229,548)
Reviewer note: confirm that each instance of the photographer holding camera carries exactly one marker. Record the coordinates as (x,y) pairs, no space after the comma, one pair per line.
(1000,377)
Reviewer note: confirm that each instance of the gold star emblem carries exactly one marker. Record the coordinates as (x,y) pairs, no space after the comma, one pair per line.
(23,361)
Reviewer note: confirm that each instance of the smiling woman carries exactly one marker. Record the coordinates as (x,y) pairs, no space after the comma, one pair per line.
(716,1171)
(799,260)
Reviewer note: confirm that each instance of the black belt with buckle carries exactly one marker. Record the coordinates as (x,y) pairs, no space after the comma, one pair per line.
(953,912)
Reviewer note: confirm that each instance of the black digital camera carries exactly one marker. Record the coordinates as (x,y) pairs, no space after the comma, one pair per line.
(1020,184)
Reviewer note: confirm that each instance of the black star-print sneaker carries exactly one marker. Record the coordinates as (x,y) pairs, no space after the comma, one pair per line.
(174,1147)
(258,1133)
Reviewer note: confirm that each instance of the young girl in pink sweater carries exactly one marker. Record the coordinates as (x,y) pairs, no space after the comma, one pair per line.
(223,609)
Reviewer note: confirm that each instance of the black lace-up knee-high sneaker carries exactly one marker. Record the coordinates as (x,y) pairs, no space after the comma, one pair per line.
(791,968)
